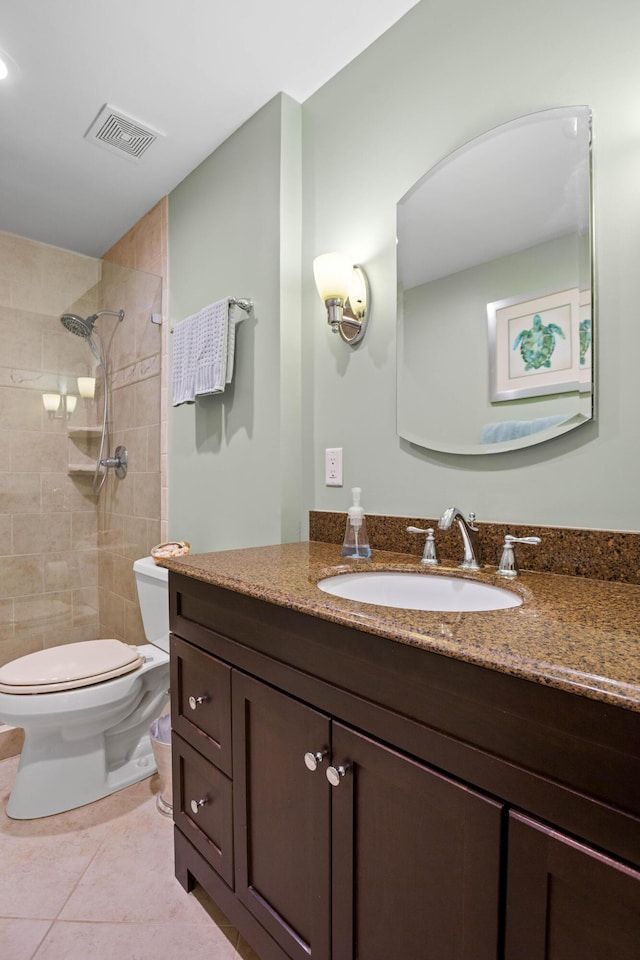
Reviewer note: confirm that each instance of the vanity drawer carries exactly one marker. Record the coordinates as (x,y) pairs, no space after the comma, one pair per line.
(202,807)
(201,702)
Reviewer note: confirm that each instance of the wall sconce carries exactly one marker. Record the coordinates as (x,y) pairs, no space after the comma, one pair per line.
(87,387)
(51,402)
(59,406)
(344,290)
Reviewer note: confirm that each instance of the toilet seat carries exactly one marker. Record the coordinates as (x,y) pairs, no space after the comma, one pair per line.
(69,666)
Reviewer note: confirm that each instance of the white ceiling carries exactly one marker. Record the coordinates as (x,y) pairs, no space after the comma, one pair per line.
(193,70)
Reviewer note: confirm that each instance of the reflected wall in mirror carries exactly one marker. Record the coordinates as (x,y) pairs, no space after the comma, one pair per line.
(495,298)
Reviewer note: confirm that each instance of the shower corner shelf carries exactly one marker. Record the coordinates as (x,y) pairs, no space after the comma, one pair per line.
(83,444)
(88,432)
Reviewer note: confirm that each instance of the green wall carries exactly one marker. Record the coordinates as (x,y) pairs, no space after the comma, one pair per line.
(444,74)
(246,468)
(234,229)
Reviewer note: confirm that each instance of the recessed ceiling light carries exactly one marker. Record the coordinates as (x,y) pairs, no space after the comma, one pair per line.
(4,70)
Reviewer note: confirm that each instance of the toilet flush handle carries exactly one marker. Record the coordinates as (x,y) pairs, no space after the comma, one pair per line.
(194,702)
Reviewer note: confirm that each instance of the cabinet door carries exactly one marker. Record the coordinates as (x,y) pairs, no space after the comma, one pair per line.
(281,816)
(416,859)
(566,900)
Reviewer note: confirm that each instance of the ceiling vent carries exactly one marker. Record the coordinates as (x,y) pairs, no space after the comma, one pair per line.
(115,131)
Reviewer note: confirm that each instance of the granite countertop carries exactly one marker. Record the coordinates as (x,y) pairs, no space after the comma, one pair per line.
(573,633)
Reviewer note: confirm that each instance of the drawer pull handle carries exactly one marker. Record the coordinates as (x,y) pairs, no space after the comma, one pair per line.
(196,804)
(194,702)
(313,760)
(335,774)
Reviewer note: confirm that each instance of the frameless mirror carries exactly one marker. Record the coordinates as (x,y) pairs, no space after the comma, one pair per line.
(495,322)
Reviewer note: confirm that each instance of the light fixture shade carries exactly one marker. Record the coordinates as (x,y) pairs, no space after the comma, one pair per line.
(70,403)
(87,387)
(51,402)
(333,274)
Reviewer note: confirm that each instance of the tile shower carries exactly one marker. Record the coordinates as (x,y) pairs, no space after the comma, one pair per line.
(65,554)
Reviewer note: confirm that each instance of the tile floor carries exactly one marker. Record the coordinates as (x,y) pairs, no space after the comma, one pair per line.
(97,883)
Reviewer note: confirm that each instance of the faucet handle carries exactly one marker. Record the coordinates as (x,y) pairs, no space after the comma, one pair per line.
(429,556)
(508,566)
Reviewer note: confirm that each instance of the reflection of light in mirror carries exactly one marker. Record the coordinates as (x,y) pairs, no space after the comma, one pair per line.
(87,387)
(51,402)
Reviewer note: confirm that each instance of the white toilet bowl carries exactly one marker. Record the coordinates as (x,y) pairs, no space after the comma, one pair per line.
(86,709)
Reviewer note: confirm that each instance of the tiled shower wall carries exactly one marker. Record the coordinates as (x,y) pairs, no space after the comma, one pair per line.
(132,512)
(48,523)
(65,555)
(145,247)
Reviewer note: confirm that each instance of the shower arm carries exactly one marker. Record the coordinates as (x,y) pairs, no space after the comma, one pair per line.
(107,313)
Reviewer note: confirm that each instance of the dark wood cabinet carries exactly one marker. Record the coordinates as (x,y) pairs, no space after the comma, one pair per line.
(203,811)
(416,859)
(344,797)
(394,857)
(566,900)
(201,702)
(281,817)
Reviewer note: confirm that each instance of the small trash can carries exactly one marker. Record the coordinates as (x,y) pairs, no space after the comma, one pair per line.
(160,736)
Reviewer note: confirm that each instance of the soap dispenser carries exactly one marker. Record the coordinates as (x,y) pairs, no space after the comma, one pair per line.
(356,540)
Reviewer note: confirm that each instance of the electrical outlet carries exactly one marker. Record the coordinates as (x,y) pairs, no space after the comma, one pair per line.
(333,467)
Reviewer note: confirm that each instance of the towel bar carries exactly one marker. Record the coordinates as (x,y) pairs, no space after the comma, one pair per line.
(241,302)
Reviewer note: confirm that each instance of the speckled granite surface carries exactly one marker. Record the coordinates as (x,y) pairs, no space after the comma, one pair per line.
(599,554)
(574,633)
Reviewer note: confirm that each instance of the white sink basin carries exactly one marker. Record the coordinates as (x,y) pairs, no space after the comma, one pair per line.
(419,591)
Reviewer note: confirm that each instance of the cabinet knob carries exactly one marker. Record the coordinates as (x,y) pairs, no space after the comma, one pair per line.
(313,760)
(194,702)
(335,774)
(196,804)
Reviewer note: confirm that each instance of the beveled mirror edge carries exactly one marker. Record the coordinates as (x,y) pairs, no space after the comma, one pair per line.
(573,422)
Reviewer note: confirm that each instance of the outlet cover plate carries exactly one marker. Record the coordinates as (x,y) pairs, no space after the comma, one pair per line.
(333,467)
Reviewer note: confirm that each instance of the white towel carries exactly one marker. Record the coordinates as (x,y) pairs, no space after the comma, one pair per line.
(234,320)
(183,371)
(212,338)
(204,352)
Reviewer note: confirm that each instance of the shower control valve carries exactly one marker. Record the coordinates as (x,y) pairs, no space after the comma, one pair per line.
(119,462)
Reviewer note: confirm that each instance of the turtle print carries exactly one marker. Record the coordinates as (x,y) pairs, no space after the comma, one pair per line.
(585,338)
(538,343)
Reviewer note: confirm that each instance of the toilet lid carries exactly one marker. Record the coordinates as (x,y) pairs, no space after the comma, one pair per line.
(68,666)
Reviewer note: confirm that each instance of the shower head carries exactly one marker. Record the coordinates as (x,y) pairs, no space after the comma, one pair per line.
(76,324)
(84,328)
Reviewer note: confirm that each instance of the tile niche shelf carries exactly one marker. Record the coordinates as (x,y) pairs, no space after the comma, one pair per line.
(83,450)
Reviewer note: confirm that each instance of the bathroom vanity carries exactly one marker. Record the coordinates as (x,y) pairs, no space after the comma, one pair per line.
(352,781)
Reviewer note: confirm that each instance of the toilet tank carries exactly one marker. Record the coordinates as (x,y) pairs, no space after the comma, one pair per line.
(152,582)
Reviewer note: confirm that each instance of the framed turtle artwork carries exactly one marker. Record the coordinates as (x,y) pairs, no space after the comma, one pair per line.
(535,346)
(586,340)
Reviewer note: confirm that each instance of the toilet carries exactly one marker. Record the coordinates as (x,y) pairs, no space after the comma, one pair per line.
(86,709)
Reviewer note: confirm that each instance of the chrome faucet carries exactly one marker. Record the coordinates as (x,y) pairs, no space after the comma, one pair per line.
(429,555)
(470,536)
(508,566)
